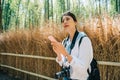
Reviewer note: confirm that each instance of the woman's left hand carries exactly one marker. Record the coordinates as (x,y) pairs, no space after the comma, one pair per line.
(59,49)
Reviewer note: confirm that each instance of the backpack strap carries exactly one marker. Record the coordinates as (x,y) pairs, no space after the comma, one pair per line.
(81,39)
(79,45)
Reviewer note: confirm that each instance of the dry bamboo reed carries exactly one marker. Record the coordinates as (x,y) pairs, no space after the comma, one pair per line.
(105,37)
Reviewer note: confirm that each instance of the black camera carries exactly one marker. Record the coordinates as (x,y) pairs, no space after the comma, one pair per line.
(65,72)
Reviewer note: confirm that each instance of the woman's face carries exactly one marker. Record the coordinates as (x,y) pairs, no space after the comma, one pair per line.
(68,23)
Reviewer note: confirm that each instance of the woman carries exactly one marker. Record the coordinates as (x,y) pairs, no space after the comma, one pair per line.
(78,58)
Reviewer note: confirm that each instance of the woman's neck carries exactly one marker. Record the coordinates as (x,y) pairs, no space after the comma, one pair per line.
(71,34)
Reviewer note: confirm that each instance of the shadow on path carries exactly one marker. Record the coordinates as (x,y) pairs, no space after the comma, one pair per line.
(5,76)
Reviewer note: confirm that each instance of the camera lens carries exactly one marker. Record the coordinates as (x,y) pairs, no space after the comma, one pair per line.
(63,73)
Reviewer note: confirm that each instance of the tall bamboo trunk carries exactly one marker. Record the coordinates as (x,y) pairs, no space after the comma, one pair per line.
(1,28)
(99,6)
(106,5)
(46,7)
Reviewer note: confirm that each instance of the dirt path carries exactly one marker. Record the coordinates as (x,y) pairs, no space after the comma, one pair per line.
(5,76)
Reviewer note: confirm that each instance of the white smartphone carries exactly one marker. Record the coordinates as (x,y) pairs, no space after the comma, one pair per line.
(51,38)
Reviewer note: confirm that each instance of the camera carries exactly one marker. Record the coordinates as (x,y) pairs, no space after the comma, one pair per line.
(65,72)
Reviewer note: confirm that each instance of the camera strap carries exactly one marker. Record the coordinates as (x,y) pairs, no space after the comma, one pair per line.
(74,40)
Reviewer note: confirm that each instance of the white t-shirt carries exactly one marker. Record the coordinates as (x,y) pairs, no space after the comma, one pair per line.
(81,58)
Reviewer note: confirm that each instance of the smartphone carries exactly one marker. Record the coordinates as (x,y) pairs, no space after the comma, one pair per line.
(51,38)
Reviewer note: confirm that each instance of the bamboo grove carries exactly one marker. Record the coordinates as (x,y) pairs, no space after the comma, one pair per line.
(103,31)
(26,24)
(33,13)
